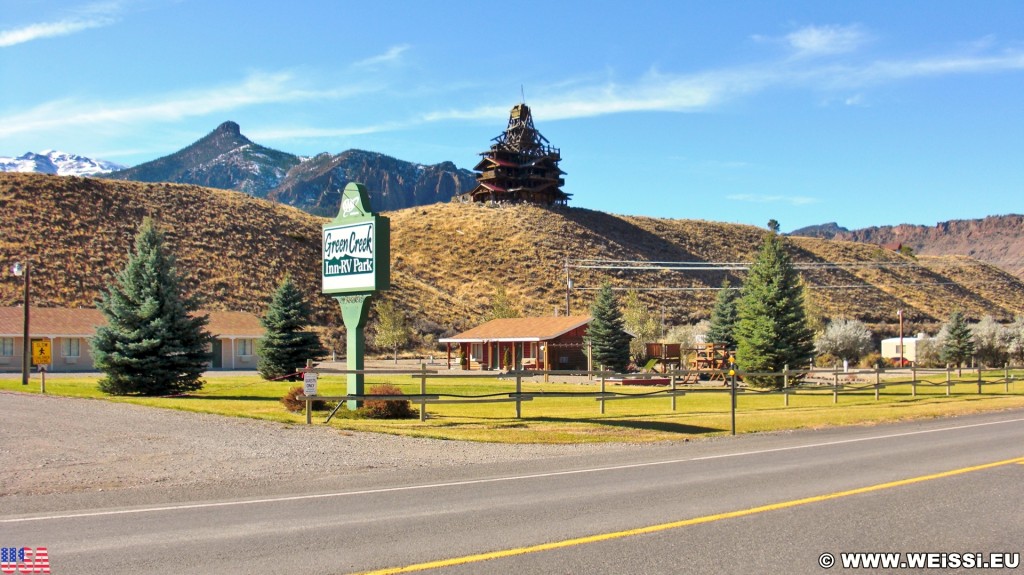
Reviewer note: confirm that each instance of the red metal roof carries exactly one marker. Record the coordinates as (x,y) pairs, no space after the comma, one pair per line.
(521,329)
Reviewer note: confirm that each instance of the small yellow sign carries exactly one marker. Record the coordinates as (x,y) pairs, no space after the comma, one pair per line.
(41,351)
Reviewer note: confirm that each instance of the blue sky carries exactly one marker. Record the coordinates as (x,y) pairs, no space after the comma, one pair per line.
(864,113)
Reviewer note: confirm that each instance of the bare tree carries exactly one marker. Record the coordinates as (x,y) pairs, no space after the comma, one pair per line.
(392,330)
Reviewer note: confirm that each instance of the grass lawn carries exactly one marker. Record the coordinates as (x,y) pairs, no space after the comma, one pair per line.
(578,419)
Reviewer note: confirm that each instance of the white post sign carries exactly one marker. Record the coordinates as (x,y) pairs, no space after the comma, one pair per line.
(309,383)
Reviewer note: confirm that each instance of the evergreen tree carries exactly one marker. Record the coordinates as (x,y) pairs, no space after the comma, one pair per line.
(392,330)
(771,327)
(287,345)
(958,344)
(723,317)
(609,342)
(154,343)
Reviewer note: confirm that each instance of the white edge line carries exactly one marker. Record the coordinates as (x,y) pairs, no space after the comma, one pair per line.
(492,480)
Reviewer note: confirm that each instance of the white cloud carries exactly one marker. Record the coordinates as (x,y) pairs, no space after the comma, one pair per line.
(392,55)
(777,199)
(857,100)
(257,89)
(824,40)
(653,92)
(665,92)
(94,16)
(305,132)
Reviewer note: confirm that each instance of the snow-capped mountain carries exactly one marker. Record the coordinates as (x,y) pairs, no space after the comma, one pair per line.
(60,163)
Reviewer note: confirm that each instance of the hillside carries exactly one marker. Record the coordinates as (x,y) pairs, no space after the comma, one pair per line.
(448,259)
(998,240)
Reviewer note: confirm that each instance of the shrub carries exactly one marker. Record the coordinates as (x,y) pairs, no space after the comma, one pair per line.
(873,360)
(292,404)
(827,360)
(381,409)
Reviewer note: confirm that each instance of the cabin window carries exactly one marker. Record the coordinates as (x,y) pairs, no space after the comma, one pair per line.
(245,347)
(6,346)
(476,351)
(71,347)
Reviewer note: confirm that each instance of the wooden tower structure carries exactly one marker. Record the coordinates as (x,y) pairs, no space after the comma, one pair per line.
(521,166)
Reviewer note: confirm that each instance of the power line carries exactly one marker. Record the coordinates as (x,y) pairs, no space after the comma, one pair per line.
(642,265)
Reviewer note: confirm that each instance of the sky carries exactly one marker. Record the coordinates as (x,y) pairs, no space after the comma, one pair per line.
(861,113)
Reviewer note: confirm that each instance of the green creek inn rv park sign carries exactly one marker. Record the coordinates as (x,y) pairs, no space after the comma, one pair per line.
(356,264)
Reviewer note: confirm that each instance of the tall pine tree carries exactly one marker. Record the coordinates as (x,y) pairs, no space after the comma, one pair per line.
(609,342)
(154,342)
(286,345)
(771,328)
(958,345)
(723,317)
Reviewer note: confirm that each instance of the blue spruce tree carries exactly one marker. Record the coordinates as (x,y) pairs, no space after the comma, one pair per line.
(154,343)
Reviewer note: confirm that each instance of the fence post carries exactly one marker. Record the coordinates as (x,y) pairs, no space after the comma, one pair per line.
(835,387)
(979,379)
(423,391)
(519,396)
(878,380)
(1006,377)
(949,379)
(673,393)
(913,381)
(733,389)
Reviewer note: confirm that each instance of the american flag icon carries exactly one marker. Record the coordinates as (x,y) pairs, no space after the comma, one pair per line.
(24,560)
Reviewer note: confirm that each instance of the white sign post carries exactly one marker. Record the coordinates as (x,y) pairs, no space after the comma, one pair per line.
(309,383)
(309,390)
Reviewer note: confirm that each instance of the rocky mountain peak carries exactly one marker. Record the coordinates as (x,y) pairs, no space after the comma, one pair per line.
(229,128)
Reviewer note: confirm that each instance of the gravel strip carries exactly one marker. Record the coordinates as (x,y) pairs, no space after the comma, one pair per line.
(65,445)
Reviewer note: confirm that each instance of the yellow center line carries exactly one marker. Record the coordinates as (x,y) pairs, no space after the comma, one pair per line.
(677,524)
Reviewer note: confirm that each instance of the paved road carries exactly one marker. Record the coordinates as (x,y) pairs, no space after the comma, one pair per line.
(798,495)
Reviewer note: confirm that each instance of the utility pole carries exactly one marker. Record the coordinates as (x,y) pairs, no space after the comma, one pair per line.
(26,354)
(568,287)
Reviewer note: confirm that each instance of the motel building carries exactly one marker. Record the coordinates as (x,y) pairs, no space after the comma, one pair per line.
(541,343)
(69,331)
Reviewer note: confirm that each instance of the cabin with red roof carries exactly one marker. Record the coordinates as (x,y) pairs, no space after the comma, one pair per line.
(541,343)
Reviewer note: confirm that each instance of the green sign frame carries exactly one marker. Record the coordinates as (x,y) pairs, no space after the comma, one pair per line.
(356,255)
(355,264)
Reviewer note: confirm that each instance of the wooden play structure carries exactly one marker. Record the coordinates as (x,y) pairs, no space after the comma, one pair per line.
(711,358)
(666,356)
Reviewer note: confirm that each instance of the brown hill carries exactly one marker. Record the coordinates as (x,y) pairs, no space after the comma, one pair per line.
(449,259)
